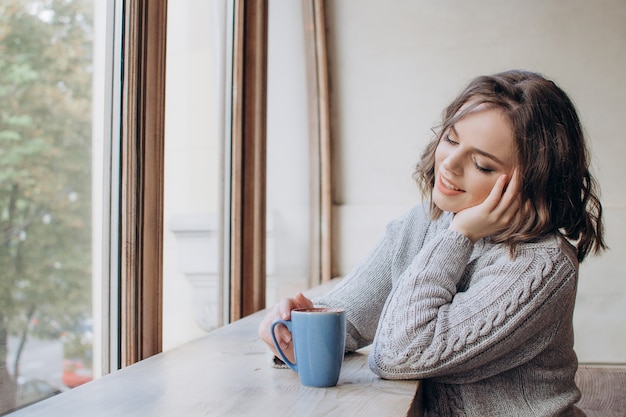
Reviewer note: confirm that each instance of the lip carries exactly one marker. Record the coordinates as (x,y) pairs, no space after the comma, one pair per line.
(445,190)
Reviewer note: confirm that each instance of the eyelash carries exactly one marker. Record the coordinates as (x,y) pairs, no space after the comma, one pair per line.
(478,167)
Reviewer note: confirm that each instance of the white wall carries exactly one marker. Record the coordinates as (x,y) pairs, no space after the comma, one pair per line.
(396,65)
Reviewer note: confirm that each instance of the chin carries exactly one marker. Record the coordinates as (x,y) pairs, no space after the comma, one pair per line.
(445,205)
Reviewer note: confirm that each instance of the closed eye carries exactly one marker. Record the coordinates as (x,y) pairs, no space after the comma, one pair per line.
(448,139)
(480,167)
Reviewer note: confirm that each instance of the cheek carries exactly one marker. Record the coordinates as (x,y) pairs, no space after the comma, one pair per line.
(440,155)
(483,188)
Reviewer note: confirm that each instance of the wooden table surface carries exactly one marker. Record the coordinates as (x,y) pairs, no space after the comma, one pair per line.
(228,372)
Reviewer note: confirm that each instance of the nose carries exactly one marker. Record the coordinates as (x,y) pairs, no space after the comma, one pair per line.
(452,163)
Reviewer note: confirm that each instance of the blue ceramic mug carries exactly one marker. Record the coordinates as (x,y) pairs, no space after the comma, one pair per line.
(319,340)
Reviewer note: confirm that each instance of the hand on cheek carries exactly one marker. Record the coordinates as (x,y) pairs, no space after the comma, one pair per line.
(492,215)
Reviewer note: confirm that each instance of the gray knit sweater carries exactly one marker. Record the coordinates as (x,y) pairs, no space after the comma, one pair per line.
(488,334)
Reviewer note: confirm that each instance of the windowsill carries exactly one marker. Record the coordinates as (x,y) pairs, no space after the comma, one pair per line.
(228,372)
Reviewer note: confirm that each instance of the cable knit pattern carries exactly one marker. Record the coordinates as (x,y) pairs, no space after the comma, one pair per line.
(487,333)
(494,318)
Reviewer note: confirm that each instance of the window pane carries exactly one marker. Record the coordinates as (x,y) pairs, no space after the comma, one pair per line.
(192,290)
(46,188)
(289,156)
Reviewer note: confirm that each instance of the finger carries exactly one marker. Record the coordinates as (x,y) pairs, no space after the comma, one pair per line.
(513,186)
(496,193)
(509,198)
(302,301)
(285,306)
(266,323)
(515,180)
(283,336)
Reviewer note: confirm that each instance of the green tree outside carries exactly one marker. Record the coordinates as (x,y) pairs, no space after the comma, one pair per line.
(45,173)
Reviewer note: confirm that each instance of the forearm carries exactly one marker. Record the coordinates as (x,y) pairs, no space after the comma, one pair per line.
(417,304)
(427,329)
(362,294)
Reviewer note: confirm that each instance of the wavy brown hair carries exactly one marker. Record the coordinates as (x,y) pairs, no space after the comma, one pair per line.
(558,192)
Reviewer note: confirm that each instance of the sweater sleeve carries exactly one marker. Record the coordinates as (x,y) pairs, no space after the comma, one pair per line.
(428,329)
(363,292)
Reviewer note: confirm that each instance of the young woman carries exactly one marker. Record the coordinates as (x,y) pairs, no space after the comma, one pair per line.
(473,293)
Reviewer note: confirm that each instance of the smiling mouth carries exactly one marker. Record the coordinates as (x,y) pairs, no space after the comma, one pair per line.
(448,185)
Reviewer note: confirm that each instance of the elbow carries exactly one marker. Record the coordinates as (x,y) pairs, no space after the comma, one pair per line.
(402,363)
(386,368)
(379,370)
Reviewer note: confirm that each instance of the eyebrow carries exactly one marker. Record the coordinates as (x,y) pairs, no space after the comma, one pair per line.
(480,151)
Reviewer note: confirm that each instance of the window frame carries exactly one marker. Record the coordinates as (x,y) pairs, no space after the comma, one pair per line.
(315,14)
(142,168)
(247,194)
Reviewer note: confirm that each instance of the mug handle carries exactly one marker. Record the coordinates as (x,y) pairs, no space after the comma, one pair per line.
(286,323)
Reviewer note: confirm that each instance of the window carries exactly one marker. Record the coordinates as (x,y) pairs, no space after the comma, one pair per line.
(208,281)
(49,179)
(83,162)
(193,288)
(297,150)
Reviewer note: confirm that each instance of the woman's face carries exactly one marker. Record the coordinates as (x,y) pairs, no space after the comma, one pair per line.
(470,157)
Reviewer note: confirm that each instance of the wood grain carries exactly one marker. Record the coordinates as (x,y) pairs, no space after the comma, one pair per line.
(603,390)
(248,159)
(228,373)
(142,155)
(325,144)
